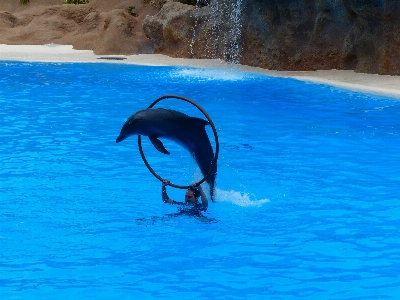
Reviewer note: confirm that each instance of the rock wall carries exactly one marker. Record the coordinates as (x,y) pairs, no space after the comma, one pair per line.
(363,35)
(106,27)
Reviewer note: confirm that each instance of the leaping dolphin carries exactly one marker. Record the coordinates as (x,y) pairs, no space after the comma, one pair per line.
(170,124)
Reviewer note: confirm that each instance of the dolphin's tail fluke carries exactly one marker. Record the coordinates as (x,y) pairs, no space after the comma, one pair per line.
(211,183)
(212,194)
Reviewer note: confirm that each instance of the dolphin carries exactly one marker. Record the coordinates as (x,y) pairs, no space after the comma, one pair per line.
(189,132)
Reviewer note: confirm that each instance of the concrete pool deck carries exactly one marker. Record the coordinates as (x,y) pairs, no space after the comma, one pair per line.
(384,85)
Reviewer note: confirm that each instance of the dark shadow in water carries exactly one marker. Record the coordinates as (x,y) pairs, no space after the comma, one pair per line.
(112,58)
(190,213)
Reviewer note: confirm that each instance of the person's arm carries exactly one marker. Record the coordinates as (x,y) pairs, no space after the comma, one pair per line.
(203,196)
(164,194)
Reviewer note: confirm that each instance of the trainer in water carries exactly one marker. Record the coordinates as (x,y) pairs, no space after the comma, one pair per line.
(187,131)
(191,198)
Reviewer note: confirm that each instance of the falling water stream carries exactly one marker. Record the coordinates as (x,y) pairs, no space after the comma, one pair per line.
(233,53)
(225,14)
(214,30)
(196,21)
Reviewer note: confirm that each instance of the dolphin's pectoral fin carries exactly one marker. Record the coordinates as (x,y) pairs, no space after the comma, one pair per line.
(158,145)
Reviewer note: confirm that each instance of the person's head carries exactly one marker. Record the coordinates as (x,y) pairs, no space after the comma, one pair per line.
(192,195)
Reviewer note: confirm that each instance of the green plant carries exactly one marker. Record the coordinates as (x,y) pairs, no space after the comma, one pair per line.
(76,1)
(24,2)
(131,12)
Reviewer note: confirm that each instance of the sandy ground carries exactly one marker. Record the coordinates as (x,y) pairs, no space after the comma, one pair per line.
(368,83)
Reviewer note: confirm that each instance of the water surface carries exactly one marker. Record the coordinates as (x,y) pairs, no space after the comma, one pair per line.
(307,201)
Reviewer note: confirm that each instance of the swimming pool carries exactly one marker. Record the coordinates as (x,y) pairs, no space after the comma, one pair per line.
(307,200)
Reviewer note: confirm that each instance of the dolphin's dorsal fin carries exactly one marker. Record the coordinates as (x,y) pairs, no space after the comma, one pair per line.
(200,122)
(158,145)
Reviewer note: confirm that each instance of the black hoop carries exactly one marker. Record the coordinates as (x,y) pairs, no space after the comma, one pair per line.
(215,136)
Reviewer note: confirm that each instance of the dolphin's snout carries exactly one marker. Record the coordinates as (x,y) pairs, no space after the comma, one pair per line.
(120,138)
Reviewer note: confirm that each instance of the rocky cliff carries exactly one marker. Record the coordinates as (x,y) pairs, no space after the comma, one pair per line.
(105,26)
(363,35)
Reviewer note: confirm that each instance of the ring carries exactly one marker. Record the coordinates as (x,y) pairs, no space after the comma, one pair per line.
(215,136)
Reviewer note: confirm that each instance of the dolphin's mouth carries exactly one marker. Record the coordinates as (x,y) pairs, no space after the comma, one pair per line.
(120,138)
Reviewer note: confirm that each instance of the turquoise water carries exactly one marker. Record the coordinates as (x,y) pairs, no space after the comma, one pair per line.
(307,188)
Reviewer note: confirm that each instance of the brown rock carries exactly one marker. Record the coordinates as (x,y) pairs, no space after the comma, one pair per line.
(103,26)
(363,35)
(170,31)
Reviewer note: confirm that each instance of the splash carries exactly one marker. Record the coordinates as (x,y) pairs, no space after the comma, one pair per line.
(199,74)
(238,198)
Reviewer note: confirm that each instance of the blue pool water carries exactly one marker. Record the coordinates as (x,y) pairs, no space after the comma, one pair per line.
(307,203)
